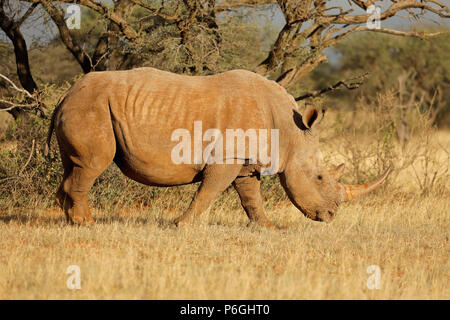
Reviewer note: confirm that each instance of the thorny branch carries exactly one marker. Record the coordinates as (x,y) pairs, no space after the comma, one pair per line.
(351,84)
(31,101)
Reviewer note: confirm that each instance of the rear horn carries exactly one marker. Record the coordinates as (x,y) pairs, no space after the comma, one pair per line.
(337,172)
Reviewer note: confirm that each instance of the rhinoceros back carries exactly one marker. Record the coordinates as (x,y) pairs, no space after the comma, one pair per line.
(147,105)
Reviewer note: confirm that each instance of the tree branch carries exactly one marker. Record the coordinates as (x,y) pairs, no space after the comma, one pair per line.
(15,87)
(421,35)
(16,105)
(293,75)
(351,84)
(102,9)
(32,99)
(27,14)
(58,18)
(157,12)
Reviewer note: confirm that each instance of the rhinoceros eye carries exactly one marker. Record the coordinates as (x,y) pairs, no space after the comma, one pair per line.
(319,177)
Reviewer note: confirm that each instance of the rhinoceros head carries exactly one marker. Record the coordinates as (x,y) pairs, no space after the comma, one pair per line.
(311,187)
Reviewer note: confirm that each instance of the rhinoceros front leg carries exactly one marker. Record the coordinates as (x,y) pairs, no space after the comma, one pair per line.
(216,178)
(249,190)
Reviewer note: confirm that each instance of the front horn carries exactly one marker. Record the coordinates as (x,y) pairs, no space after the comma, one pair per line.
(354,191)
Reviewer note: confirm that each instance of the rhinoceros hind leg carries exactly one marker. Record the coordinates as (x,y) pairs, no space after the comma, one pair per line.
(76,187)
(249,190)
(216,178)
(80,172)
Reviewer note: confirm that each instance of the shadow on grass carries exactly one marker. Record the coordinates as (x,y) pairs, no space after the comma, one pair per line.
(162,222)
(24,219)
(54,217)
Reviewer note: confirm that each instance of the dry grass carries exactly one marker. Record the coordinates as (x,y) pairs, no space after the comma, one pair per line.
(139,255)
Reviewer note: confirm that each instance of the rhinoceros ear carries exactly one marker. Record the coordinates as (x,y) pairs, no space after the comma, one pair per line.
(311,116)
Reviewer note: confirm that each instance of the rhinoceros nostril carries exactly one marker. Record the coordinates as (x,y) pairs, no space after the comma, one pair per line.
(317,217)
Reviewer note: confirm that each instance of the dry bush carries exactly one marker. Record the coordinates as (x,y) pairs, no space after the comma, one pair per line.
(431,168)
(385,133)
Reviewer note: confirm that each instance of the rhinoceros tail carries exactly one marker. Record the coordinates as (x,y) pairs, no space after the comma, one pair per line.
(52,124)
(49,134)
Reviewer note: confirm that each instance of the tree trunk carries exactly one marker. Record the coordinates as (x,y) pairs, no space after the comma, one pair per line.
(12,30)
